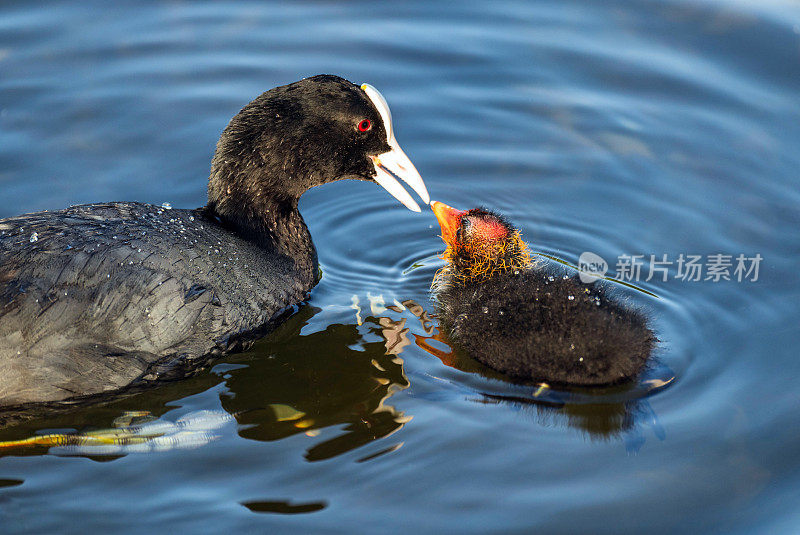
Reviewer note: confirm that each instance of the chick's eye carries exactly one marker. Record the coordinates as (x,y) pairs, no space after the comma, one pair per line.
(463,229)
(364,125)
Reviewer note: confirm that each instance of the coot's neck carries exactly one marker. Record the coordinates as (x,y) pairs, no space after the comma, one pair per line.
(274,224)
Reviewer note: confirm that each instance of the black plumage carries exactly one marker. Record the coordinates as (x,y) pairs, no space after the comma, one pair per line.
(98,297)
(527,320)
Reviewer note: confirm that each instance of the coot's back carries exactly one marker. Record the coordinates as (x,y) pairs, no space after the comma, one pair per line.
(141,288)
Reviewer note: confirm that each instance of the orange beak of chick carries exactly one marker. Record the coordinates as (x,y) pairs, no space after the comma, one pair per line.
(449,220)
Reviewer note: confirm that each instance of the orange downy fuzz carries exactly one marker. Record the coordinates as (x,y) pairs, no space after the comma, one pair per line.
(496,251)
(486,260)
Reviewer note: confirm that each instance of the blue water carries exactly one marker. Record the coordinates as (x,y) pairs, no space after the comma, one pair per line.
(618,128)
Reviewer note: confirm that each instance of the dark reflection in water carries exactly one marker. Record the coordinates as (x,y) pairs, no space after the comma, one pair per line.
(297,383)
(284,507)
(599,421)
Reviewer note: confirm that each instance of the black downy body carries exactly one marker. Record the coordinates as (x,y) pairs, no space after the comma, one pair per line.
(533,322)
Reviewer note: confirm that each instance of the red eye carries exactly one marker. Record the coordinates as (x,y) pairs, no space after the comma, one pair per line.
(364,125)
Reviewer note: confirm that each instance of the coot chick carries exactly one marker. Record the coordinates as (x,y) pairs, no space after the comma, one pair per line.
(98,297)
(525,320)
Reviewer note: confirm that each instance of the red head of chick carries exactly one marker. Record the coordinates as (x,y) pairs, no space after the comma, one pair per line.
(528,321)
(480,245)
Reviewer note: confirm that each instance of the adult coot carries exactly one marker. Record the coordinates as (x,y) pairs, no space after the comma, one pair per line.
(97,297)
(525,320)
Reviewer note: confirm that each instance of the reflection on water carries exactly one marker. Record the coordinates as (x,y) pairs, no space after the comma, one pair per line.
(599,421)
(284,507)
(133,432)
(333,377)
(285,385)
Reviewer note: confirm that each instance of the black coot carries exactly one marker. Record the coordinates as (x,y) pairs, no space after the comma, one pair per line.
(97,297)
(524,320)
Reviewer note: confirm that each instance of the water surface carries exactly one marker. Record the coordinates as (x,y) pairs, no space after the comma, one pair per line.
(618,128)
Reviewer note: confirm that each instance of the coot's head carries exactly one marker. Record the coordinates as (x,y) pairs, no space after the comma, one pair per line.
(302,135)
(480,245)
